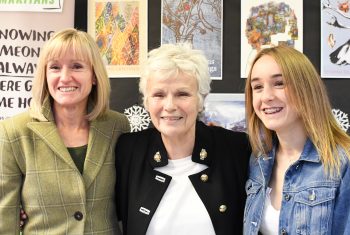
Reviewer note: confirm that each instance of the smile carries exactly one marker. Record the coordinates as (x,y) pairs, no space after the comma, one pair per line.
(67,89)
(272,110)
(171,118)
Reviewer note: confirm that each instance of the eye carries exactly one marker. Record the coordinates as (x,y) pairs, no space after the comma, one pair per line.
(158,95)
(257,87)
(54,67)
(183,94)
(77,66)
(279,83)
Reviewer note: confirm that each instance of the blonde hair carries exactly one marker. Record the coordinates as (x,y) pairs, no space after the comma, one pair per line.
(170,60)
(309,96)
(84,48)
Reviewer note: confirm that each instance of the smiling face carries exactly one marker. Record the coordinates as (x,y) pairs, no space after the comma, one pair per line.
(270,101)
(173,105)
(69,80)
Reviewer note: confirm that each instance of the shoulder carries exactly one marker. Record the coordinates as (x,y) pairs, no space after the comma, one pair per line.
(132,137)
(17,123)
(119,120)
(221,134)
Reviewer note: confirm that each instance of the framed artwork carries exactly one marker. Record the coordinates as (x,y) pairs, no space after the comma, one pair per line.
(120,30)
(266,23)
(225,110)
(335,39)
(197,22)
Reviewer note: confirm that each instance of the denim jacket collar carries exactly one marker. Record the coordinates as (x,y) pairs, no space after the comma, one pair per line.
(309,154)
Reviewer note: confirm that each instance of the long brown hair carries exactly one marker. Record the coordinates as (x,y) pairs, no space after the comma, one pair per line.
(309,96)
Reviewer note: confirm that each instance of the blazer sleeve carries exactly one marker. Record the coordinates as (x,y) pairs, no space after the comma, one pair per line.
(10,185)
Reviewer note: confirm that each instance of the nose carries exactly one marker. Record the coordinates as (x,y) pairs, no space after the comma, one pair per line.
(65,74)
(169,104)
(267,94)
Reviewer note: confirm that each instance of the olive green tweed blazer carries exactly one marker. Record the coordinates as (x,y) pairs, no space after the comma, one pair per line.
(37,171)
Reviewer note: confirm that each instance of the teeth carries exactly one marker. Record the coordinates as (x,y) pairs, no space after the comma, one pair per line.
(171,118)
(272,110)
(67,89)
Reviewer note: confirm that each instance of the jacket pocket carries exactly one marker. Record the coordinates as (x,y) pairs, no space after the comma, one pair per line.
(252,189)
(314,210)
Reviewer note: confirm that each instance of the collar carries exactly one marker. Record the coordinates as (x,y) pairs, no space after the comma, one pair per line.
(203,150)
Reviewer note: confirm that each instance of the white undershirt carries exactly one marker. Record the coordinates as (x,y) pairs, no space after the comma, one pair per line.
(181,211)
(270,219)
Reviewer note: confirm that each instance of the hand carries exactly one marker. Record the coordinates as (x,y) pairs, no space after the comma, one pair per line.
(23,218)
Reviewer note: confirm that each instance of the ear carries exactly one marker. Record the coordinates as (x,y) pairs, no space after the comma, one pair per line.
(94,80)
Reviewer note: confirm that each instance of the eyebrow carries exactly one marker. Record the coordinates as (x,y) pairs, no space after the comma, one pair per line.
(277,75)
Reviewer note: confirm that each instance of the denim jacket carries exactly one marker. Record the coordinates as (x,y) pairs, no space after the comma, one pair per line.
(312,201)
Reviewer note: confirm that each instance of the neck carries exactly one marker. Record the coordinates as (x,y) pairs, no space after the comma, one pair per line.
(73,118)
(178,148)
(291,145)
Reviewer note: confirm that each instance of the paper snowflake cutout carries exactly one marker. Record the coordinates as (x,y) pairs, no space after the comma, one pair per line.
(138,118)
(342,119)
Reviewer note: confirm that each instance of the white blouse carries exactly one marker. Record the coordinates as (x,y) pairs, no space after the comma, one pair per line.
(181,211)
(270,220)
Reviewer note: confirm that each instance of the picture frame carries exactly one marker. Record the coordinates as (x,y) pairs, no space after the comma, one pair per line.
(335,40)
(226,110)
(266,24)
(199,23)
(120,30)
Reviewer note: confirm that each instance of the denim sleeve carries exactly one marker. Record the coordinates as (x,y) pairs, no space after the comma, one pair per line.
(341,214)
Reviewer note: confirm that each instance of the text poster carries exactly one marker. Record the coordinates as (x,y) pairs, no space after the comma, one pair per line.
(22,34)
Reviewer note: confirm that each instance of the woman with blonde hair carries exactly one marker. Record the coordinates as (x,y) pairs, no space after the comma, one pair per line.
(57,159)
(299,180)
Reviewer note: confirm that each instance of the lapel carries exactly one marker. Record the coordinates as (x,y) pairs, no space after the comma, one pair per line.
(48,133)
(44,126)
(100,137)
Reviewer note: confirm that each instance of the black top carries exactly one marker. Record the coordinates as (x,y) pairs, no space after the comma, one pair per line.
(78,155)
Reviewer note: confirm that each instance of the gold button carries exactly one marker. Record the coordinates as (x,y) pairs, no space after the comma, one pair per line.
(222,208)
(203,154)
(157,157)
(204,178)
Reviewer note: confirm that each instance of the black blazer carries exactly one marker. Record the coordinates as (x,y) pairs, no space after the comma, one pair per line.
(140,188)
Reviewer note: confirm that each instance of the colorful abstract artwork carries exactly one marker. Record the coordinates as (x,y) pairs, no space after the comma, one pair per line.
(335,39)
(117,29)
(198,22)
(267,24)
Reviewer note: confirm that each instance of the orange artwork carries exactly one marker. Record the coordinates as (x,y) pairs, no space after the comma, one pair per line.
(117,32)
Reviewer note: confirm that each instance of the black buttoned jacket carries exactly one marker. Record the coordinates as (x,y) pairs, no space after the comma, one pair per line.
(140,188)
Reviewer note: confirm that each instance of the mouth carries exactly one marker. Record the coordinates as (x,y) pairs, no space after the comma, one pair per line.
(67,89)
(171,118)
(272,110)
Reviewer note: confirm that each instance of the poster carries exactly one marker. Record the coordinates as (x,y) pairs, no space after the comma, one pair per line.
(32,5)
(266,23)
(226,110)
(120,30)
(198,23)
(22,34)
(335,39)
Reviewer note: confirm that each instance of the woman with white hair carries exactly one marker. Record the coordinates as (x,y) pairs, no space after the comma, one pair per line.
(181,177)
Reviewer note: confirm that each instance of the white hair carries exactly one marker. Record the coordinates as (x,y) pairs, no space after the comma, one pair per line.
(169,60)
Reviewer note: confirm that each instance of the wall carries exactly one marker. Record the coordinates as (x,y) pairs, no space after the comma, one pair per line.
(125,90)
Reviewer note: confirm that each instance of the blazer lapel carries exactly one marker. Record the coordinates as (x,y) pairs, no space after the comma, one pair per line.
(100,137)
(48,133)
